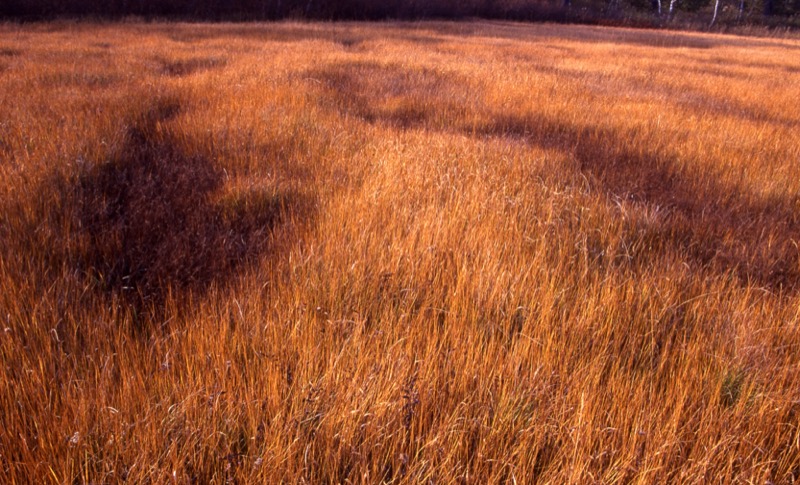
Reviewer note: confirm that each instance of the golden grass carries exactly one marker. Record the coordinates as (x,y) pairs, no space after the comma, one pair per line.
(403,253)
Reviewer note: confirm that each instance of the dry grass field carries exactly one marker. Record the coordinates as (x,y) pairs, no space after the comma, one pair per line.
(401,253)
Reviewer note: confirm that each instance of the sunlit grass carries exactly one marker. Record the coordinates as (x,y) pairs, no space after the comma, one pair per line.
(405,253)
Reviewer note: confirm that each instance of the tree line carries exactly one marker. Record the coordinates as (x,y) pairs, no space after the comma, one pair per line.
(658,11)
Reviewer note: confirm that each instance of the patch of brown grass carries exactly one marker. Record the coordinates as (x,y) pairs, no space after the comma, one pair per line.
(443,252)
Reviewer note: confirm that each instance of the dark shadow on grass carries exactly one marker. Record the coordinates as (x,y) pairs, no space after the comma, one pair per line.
(9,52)
(156,220)
(191,66)
(721,228)
(393,95)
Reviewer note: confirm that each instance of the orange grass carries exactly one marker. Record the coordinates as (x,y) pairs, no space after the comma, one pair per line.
(402,253)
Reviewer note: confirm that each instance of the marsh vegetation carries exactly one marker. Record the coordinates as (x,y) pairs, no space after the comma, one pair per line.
(472,252)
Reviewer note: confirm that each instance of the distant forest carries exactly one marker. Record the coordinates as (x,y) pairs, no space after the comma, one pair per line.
(630,12)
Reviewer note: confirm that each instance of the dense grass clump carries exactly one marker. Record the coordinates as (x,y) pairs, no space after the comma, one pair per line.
(431,253)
